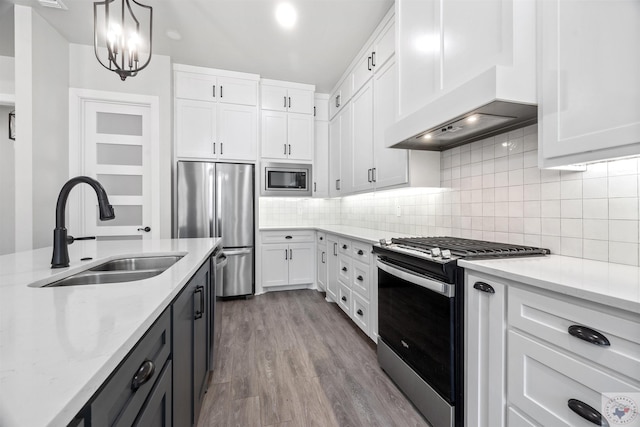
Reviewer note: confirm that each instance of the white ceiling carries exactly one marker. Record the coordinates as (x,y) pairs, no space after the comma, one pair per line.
(243,35)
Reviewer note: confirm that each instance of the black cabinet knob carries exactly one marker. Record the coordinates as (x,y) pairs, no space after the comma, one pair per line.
(344,268)
(359,312)
(360,278)
(360,252)
(145,229)
(344,246)
(344,298)
(144,374)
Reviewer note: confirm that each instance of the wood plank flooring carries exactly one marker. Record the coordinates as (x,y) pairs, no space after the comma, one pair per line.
(290,359)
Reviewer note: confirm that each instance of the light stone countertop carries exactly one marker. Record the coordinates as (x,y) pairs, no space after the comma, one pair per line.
(58,345)
(358,233)
(615,285)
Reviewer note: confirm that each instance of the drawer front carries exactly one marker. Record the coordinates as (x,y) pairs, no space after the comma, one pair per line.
(550,319)
(361,279)
(362,252)
(321,238)
(117,403)
(542,380)
(344,270)
(344,246)
(516,419)
(344,298)
(290,236)
(360,312)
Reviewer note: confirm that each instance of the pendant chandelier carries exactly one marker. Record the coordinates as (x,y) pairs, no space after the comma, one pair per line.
(118,42)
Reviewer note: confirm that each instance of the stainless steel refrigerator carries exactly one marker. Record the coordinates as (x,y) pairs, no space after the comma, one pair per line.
(217,200)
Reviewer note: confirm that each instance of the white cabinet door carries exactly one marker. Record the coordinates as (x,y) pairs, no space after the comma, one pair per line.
(346,142)
(238,91)
(334,156)
(391,165)
(321,109)
(361,155)
(300,101)
(195,86)
(301,263)
(273,98)
(300,136)
(363,70)
(332,268)
(196,129)
(485,348)
(274,135)
(384,47)
(237,132)
(321,160)
(590,87)
(275,265)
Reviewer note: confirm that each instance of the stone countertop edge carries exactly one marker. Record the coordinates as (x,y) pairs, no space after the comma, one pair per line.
(358,233)
(59,345)
(614,285)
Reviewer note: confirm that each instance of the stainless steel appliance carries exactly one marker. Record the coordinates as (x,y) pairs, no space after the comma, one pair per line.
(285,179)
(217,200)
(218,262)
(420,318)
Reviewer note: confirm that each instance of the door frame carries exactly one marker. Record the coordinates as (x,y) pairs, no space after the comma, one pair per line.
(78,97)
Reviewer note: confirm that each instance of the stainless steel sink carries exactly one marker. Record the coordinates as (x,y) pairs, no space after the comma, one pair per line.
(138,263)
(120,270)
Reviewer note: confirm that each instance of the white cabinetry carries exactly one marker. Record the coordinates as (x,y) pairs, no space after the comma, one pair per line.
(287,120)
(589,107)
(287,258)
(321,147)
(321,262)
(332,268)
(341,96)
(340,143)
(216,116)
(375,56)
(561,354)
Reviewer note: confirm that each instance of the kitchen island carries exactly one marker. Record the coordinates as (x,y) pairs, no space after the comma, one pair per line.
(58,345)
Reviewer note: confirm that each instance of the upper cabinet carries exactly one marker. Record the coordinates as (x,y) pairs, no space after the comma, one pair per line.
(588,78)
(321,146)
(287,120)
(341,96)
(216,114)
(375,56)
(442,45)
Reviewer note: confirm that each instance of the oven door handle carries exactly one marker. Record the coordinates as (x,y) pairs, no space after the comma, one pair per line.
(441,288)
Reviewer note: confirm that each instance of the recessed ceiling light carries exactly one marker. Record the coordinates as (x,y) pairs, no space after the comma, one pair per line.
(472,119)
(173,35)
(427,136)
(286,15)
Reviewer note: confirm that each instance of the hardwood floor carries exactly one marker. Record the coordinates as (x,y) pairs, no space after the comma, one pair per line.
(292,359)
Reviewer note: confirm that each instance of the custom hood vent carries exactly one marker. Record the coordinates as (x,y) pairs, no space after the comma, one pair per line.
(472,112)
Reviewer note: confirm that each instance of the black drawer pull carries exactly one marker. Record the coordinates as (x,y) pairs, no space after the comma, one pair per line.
(360,278)
(587,412)
(200,310)
(360,252)
(344,299)
(288,237)
(344,246)
(344,268)
(144,374)
(321,238)
(484,287)
(589,335)
(359,312)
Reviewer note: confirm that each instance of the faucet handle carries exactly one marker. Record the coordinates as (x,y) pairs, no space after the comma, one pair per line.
(71,239)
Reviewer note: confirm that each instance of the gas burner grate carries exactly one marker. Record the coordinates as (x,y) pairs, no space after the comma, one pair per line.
(468,248)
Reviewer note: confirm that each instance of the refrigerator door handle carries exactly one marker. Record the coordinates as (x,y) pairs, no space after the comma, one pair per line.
(221,261)
(232,252)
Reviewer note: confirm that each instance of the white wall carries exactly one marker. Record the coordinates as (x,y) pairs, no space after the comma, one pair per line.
(155,80)
(7,187)
(7,75)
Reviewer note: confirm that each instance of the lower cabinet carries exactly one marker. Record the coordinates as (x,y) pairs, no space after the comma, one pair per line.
(288,258)
(321,261)
(538,358)
(190,353)
(332,268)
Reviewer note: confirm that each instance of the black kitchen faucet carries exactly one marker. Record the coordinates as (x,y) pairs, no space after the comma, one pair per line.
(61,241)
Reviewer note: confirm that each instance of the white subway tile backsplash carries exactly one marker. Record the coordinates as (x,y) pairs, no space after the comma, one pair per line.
(571,208)
(623,167)
(595,208)
(571,228)
(531,175)
(595,229)
(532,208)
(623,253)
(531,192)
(623,208)
(516,193)
(550,190)
(571,189)
(623,186)
(516,177)
(623,231)
(595,188)
(596,250)
(570,246)
(550,208)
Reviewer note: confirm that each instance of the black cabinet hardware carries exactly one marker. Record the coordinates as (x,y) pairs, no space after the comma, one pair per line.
(369,63)
(589,335)
(359,312)
(214,91)
(221,91)
(288,237)
(289,102)
(344,246)
(373,59)
(484,287)
(360,252)
(200,310)
(587,412)
(344,268)
(344,298)
(145,229)
(144,374)
(360,278)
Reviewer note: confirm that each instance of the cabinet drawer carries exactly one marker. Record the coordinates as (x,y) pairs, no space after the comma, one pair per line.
(287,236)
(551,318)
(344,298)
(360,312)
(361,252)
(542,380)
(516,419)
(117,403)
(361,279)
(321,239)
(344,270)
(344,246)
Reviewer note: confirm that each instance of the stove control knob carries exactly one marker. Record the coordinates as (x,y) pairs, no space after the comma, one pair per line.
(446,254)
(435,252)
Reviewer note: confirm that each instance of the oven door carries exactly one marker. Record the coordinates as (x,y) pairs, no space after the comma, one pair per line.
(416,320)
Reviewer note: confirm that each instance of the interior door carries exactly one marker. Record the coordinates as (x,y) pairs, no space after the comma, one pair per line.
(117,151)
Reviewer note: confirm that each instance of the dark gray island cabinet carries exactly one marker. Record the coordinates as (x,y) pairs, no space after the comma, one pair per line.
(163,379)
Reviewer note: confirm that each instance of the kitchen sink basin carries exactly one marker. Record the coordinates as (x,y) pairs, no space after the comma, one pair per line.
(120,270)
(138,263)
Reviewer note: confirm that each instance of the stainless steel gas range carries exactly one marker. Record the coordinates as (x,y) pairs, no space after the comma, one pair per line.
(421,317)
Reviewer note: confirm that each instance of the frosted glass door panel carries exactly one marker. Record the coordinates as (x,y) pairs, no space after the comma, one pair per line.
(121,185)
(119,124)
(125,215)
(119,154)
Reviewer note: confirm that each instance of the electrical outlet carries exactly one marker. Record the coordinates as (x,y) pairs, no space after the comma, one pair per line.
(398,210)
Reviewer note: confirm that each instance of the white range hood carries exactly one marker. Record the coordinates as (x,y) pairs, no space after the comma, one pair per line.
(478,109)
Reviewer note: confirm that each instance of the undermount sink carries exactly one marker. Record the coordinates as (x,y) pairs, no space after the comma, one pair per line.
(119,270)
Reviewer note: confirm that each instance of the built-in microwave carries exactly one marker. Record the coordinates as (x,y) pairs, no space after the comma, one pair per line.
(286,179)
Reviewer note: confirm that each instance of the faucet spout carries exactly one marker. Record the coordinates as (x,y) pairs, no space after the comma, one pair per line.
(60,256)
